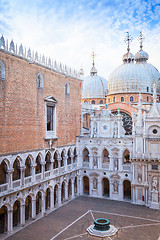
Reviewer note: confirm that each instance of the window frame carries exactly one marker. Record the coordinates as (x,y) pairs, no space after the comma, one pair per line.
(50,102)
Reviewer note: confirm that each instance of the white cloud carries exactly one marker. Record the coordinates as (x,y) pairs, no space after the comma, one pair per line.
(68,32)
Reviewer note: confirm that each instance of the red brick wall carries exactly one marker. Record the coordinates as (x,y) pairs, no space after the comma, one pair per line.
(22,106)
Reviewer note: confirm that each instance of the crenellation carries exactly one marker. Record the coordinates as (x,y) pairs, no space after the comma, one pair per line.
(34,56)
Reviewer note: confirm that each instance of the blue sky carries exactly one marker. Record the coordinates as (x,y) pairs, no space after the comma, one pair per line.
(69,30)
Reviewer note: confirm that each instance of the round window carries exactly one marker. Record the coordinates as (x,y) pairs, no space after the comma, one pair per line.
(155,131)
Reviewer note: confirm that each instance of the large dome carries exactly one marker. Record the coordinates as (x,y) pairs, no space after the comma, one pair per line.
(134,77)
(94,86)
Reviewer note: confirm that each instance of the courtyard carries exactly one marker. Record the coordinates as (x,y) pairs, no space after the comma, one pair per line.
(71,220)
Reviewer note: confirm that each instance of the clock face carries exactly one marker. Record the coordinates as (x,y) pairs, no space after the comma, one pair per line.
(105,128)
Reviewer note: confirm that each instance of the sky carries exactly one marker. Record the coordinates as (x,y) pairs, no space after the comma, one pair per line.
(69,30)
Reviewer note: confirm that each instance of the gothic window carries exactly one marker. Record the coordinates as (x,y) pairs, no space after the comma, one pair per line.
(93,102)
(114,99)
(101,102)
(40,81)
(126,157)
(86,121)
(147,98)
(147,89)
(67,89)
(2,70)
(131,99)
(122,99)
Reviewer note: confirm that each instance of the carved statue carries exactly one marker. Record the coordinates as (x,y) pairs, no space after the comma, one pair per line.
(115,185)
(154,184)
(94,183)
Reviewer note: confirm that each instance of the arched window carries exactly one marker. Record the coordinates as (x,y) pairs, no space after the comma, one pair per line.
(126,157)
(101,102)
(131,99)
(147,89)
(67,89)
(40,81)
(122,99)
(2,71)
(114,99)
(147,98)
(85,154)
(93,102)
(85,101)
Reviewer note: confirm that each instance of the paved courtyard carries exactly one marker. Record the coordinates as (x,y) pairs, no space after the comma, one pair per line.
(71,220)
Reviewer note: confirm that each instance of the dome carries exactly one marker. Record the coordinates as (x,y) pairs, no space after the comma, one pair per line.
(129,78)
(128,57)
(141,56)
(94,86)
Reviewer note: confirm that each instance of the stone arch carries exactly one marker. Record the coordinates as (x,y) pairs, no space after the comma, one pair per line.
(56,156)
(75,155)
(105,156)
(16,167)
(63,155)
(48,198)
(16,213)
(40,81)
(75,185)
(105,187)
(48,158)
(127,189)
(3,219)
(38,202)
(69,156)
(7,162)
(28,166)
(85,154)
(56,194)
(38,164)
(126,156)
(2,71)
(70,188)
(63,191)
(86,185)
(28,207)
(3,172)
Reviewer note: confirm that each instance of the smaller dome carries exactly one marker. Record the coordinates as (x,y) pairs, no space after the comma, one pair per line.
(141,56)
(128,57)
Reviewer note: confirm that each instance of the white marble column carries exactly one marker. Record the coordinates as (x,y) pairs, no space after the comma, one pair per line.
(33,208)
(22,214)
(99,188)
(22,169)
(52,198)
(66,191)
(90,186)
(43,169)
(10,221)
(111,165)
(43,203)
(59,195)
(10,178)
(72,188)
(33,173)
(120,164)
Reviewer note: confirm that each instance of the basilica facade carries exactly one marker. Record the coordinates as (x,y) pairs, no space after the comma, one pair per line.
(63,135)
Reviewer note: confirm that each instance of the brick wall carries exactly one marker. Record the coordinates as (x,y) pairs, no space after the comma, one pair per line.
(22,106)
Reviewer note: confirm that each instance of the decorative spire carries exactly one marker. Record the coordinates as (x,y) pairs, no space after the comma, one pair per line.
(93,69)
(128,39)
(140,39)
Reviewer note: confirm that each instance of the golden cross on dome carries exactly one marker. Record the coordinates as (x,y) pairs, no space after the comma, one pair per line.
(128,40)
(140,39)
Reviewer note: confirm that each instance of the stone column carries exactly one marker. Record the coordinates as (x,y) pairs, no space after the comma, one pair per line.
(43,203)
(10,221)
(99,162)
(10,175)
(120,190)
(111,165)
(90,186)
(22,169)
(90,161)
(59,195)
(22,214)
(143,173)
(43,169)
(33,208)
(99,188)
(78,185)
(59,162)
(66,191)
(33,173)
(72,188)
(120,164)
(71,158)
(52,198)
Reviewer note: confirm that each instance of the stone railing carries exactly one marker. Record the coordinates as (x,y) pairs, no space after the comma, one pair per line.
(28,180)
(4,187)
(85,164)
(127,167)
(16,183)
(34,57)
